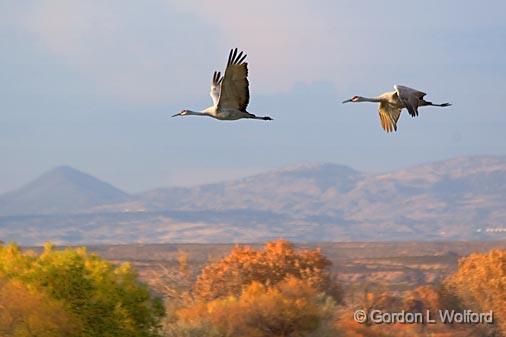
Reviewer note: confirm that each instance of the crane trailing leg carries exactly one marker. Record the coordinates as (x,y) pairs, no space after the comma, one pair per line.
(266,118)
(425,103)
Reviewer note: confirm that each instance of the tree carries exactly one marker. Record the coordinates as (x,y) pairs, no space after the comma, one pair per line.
(28,312)
(107,300)
(277,291)
(291,308)
(276,262)
(480,284)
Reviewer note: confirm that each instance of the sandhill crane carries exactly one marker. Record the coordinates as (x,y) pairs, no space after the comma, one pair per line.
(230,93)
(391,103)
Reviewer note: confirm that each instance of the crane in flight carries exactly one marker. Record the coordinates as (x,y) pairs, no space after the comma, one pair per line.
(230,93)
(391,103)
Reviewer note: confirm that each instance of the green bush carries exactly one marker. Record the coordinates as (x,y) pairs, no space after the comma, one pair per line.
(105,299)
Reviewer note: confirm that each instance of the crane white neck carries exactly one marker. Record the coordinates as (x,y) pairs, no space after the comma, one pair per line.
(197,113)
(369,99)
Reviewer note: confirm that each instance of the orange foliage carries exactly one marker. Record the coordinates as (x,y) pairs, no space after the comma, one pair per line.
(277,261)
(480,283)
(292,308)
(422,299)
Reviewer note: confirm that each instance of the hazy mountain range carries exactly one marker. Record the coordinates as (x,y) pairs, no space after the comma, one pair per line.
(457,199)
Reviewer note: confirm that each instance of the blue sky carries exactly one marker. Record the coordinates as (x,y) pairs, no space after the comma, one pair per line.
(91,84)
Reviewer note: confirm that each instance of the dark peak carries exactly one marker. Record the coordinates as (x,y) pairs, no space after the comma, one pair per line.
(63,189)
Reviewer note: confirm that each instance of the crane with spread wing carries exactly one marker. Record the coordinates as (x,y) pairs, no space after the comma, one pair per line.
(230,93)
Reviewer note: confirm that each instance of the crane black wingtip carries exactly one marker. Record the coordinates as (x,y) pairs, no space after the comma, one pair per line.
(241,60)
(234,58)
(230,56)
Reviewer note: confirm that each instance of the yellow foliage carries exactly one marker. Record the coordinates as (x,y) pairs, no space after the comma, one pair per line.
(28,312)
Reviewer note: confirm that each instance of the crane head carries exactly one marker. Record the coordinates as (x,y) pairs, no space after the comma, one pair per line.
(181,113)
(353,99)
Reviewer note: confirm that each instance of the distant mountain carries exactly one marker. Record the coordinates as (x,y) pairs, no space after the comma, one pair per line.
(458,199)
(59,191)
(295,190)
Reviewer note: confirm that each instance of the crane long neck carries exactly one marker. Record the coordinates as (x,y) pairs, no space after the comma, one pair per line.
(371,99)
(197,113)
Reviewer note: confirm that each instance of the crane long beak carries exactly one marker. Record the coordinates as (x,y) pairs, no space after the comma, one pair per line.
(347,101)
(178,114)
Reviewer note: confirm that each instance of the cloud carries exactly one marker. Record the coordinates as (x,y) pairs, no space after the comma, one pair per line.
(130,50)
(158,51)
(284,39)
(346,43)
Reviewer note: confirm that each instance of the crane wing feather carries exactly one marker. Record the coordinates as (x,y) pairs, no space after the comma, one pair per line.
(216,87)
(235,85)
(389,115)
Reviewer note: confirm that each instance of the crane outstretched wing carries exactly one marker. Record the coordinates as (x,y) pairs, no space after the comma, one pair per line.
(410,98)
(235,85)
(216,87)
(389,115)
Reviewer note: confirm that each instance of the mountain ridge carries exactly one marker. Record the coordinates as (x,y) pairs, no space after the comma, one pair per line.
(456,199)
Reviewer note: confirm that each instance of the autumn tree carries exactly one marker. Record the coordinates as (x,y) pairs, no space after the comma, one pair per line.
(291,308)
(480,283)
(105,299)
(29,312)
(276,262)
(277,291)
